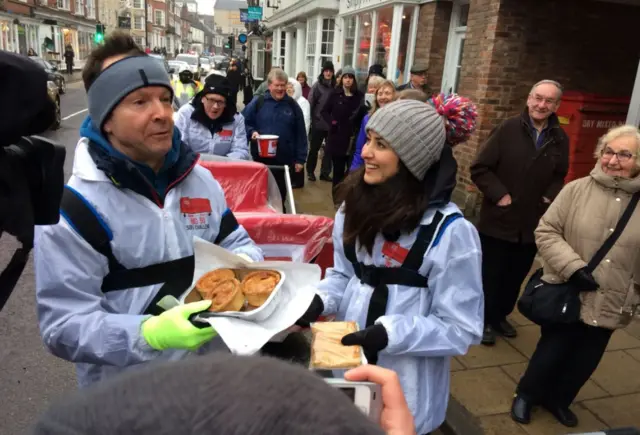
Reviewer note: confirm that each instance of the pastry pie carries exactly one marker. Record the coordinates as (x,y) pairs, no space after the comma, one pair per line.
(226,296)
(258,286)
(208,281)
(327,351)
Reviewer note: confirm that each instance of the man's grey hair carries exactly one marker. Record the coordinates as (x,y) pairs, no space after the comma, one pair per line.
(277,74)
(548,82)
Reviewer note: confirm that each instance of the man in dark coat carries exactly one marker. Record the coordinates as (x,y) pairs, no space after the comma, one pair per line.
(520,170)
(320,94)
(417,80)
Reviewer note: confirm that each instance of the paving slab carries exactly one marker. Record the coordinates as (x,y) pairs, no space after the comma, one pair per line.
(483,391)
(500,424)
(618,373)
(635,353)
(527,339)
(590,390)
(490,356)
(634,328)
(620,411)
(518,319)
(543,423)
(621,339)
(456,365)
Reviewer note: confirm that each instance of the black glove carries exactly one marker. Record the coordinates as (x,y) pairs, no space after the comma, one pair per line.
(313,312)
(583,281)
(372,339)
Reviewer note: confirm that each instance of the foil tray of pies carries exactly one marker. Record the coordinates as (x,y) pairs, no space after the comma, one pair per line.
(327,350)
(249,294)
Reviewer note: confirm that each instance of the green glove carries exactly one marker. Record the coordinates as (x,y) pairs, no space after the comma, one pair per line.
(173,330)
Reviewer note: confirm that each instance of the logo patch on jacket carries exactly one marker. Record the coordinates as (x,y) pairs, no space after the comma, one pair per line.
(226,135)
(196,212)
(394,254)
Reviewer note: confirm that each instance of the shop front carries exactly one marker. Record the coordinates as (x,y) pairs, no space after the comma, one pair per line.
(55,33)
(379,32)
(18,35)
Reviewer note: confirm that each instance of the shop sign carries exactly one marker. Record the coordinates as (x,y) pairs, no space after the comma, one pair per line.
(255,13)
(349,6)
(124,22)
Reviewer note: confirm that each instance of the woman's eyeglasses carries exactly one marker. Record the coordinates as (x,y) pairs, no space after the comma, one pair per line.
(623,156)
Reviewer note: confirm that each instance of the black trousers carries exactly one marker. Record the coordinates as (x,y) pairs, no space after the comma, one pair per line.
(504,266)
(69,68)
(315,142)
(339,171)
(565,358)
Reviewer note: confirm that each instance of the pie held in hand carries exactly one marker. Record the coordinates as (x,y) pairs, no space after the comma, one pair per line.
(327,350)
(209,280)
(258,286)
(226,296)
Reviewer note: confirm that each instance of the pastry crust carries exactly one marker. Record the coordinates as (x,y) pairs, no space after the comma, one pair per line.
(258,286)
(209,280)
(226,296)
(327,351)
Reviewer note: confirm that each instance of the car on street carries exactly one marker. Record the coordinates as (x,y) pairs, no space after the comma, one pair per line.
(52,72)
(54,94)
(221,63)
(164,62)
(205,66)
(193,61)
(178,66)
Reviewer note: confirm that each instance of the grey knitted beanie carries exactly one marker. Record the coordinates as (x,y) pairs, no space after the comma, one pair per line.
(119,80)
(348,70)
(414,130)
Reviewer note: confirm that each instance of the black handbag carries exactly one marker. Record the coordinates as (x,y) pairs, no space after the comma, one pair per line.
(547,304)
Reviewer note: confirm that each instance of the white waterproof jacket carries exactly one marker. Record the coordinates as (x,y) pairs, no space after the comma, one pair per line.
(426,327)
(100,332)
(302,102)
(230,142)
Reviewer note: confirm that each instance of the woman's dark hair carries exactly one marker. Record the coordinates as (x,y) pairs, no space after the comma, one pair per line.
(354,86)
(391,208)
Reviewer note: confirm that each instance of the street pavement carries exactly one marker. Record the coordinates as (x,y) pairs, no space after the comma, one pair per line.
(30,377)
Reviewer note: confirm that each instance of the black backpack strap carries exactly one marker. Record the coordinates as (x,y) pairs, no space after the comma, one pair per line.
(611,240)
(259,103)
(176,275)
(87,222)
(228,224)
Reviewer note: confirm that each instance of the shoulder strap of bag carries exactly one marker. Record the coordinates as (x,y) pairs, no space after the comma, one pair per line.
(259,103)
(611,240)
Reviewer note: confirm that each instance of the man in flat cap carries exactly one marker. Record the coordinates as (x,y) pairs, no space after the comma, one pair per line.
(418,79)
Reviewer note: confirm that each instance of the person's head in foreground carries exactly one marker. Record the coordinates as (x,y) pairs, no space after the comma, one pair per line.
(408,166)
(544,100)
(129,97)
(617,152)
(294,89)
(214,100)
(224,394)
(385,93)
(277,80)
(413,94)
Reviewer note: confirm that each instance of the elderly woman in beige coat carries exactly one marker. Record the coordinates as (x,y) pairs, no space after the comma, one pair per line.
(574,227)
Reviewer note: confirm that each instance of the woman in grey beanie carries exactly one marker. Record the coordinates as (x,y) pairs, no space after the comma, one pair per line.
(407,265)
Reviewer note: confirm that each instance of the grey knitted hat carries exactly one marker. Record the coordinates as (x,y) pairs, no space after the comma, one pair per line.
(119,80)
(349,70)
(414,130)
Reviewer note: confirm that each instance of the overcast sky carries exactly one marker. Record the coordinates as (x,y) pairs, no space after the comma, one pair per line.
(205,6)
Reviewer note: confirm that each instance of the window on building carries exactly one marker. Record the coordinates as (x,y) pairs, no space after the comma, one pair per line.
(63,4)
(149,13)
(312,32)
(91,8)
(383,40)
(158,17)
(349,40)
(402,73)
(79,8)
(139,40)
(85,44)
(138,4)
(326,46)
(282,48)
(260,57)
(138,22)
(364,44)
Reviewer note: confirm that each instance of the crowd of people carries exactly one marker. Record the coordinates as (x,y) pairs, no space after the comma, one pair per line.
(422,283)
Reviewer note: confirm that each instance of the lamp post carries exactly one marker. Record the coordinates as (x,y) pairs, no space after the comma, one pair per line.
(146,24)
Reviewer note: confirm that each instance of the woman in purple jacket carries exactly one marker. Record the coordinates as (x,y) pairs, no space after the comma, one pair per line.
(339,113)
(384,94)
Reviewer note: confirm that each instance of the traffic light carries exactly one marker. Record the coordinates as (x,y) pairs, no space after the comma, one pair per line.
(99,36)
(230,42)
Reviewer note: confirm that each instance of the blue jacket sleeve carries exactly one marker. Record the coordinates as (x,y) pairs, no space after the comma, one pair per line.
(249,114)
(360,140)
(302,145)
(73,321)
(332,287)
(240,146)
(455,321)
(237,239)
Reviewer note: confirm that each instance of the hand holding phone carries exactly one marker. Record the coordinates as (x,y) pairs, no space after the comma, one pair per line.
(366,396)
(395,418)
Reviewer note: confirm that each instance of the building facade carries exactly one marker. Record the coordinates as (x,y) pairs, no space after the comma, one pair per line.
(48,26)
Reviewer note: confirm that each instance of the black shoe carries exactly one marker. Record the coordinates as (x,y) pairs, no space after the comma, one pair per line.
(311,177)
(326,178)
(488,336)
(521,410)
(506,329)
(565,416)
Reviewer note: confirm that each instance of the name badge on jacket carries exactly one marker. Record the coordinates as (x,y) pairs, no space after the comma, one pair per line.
(226,135)
(196,212)
(394,253)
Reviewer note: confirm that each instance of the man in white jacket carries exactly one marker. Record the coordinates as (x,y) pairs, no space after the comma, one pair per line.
(129,214)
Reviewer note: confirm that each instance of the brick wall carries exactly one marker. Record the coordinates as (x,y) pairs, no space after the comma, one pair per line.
(18,7)
(431,39)
(512,44)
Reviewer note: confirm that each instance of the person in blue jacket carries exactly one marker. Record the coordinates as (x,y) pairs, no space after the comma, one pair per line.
(276,113)
(407,265)
(134,203)
(210,124)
